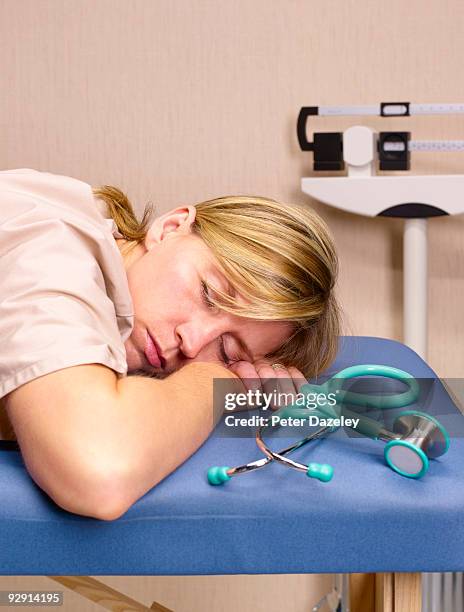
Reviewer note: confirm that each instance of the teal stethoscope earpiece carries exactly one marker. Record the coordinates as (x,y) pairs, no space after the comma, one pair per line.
(416,436)
(218,475)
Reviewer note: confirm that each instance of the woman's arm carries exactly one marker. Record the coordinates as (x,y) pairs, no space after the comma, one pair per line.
(96,443)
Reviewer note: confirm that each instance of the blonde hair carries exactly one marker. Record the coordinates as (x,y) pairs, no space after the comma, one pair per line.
(279,257)
(120,210)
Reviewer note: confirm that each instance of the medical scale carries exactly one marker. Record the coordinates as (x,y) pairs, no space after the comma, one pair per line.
(363,153)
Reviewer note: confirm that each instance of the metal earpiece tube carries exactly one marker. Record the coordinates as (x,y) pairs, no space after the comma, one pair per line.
(219,475)
(320,471)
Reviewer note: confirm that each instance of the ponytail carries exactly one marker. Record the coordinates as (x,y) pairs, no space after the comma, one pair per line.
(121,211)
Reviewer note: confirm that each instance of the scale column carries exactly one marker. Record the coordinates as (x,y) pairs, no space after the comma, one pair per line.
(415,285)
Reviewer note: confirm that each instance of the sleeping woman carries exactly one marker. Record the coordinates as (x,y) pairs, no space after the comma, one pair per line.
(113,329)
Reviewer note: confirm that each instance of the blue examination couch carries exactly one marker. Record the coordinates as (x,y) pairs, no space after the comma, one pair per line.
(274,520)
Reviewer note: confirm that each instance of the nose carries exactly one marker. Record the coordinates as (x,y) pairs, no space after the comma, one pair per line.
(198,333)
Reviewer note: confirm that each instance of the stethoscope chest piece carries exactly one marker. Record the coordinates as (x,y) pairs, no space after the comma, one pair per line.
(420,437)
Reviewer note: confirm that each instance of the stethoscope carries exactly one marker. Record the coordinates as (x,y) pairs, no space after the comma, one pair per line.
(415,437)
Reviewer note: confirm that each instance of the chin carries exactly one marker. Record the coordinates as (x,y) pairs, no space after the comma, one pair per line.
(144,373)
(133,357)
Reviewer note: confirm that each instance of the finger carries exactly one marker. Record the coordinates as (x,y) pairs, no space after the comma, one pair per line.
(277,383)
(246,371)
(298,377)
(269,381)
(288,389)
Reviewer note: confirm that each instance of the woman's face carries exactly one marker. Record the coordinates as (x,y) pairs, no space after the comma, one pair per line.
(174,324)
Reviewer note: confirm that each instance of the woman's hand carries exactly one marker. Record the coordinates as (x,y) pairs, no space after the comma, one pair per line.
(280,382)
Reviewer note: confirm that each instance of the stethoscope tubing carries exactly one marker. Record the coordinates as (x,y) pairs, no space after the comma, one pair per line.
(397,400)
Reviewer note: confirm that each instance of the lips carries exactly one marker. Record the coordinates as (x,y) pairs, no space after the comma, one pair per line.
(153,353)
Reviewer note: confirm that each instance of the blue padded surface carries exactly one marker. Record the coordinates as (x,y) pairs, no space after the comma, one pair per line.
(275,520)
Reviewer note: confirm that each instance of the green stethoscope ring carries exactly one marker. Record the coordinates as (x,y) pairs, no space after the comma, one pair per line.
(428,439)
(440,446)
(411,457)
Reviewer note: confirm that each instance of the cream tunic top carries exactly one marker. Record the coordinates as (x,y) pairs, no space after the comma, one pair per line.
(64,297)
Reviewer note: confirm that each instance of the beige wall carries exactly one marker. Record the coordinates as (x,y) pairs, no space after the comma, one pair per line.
(178,101)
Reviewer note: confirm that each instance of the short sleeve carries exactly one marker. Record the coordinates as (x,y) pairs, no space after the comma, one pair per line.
(64,299)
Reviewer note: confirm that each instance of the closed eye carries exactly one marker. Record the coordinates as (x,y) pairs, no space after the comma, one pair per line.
(205,295)
(207,300)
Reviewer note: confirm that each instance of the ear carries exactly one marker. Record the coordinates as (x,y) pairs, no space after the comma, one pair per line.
(175,222)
